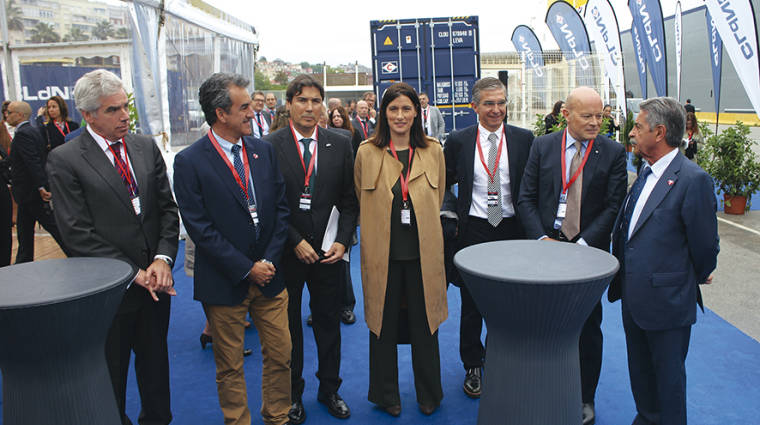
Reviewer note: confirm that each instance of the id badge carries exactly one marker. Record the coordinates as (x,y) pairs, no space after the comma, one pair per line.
(561,210)
(136,205)
(493,199)
(304,204)
(254,214)
(406,215)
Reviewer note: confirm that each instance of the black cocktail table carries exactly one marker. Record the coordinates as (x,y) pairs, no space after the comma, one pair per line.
(54,318)
(535,297)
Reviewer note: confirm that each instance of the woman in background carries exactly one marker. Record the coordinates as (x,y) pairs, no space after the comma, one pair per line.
(692,135)
(59,124)
(400,177)
(339,119)
(552,118)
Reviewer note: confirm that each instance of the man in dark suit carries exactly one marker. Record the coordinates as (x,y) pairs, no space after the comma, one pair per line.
(666,238)
(362,122)
(262,119)
(112,199)
(317,165)
(486,160)
(573,185)
(29,181)
(232,200)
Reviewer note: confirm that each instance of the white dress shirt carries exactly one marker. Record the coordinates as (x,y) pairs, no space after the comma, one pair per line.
(658,169)
(256,130)
(105,144)
(480,179)
(227,149)
(312,147)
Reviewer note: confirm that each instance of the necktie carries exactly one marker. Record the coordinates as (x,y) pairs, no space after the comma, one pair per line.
(633,197)
(238,164)
(425,122)
(123,170)
(261,126)
(494,211)
(571,225)
(307,159)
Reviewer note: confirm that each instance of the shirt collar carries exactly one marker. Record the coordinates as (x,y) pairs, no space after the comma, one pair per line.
(225,144)
(486,131)
(299,136)
(659,167)
(100,140)
(571,141)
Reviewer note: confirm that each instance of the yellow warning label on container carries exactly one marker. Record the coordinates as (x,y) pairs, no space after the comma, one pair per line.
(388,41)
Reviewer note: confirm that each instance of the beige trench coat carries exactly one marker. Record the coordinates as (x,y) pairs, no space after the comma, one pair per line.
(375,173)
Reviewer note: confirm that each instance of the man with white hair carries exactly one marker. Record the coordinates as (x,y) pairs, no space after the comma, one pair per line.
(362,123)
(112,199)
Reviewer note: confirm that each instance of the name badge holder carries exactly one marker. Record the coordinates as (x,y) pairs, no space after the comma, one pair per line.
(304,204)
(406,211)
(136,204)
(406,214)
(254,214)
(493,199)
(561,211)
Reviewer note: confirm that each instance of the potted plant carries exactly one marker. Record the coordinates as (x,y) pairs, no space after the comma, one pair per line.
(627,130)
(728,157)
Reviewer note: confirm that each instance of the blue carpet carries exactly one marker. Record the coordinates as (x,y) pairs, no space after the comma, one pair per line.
(723,369)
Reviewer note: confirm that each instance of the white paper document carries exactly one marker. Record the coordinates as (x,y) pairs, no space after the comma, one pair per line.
(331,232)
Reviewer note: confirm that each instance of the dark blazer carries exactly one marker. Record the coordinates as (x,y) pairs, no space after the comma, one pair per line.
(27,161)
(604,183)
(673,248)
(460,159)
(53,137)
(265,116)
(93,210)
(358,127)
(216,216)
(333,186)
(355,137)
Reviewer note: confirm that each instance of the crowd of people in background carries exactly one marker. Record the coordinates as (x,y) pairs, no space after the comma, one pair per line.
(271,197)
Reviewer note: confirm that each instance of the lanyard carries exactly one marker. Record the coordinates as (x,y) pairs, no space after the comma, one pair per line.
(566,185)
(258,123)
(123,165)
(226,160)
(303,164)
(404,181)
(424,113)
(60,130)
(691,133)
(491,175)
(364,126)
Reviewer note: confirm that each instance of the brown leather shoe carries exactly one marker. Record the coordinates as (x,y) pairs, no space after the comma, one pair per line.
(394,410)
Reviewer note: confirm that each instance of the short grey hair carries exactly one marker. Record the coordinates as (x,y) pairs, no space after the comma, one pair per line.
(487,83)
(94,85)
(215,93)
(667,112)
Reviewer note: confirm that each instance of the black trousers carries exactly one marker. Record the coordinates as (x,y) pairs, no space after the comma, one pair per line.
(404,282)
(349,299)
(475,231)
(656,365)
(6,224)
(324,283)
(141,325)
(28,214)
(590,350)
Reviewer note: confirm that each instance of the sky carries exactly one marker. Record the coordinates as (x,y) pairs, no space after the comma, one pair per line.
(337,32)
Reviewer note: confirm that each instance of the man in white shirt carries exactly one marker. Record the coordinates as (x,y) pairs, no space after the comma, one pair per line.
(261,119)
(432,119)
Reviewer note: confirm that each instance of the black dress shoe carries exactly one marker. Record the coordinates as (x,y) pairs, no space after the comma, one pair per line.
(205,339)
(348,317)
(309,320)
(247,352)
(297,414)
(394,410)
(427,409)
(589,414)
(472,383)
(335,405)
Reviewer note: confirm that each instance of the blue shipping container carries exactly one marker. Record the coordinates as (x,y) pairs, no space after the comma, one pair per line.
(438,56)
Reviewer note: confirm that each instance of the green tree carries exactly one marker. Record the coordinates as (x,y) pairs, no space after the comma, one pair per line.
(44,33)
(76,34)
(260,81)
(281,78)
(103,30)
(13,14)
(305,65)
(122,33)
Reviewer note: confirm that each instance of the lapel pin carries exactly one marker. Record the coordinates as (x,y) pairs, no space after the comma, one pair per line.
(255,156)
(328,145)
(670,182)
(596,151)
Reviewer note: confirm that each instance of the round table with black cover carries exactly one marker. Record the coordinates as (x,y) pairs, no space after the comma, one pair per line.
(535,297)
(54,318)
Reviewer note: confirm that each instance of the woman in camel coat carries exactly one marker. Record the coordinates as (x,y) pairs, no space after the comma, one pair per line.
(402,264)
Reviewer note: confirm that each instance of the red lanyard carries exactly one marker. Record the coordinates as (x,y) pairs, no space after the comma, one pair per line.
(226,160)
(424,114)
(364,127)
(66,123)
(566,185)
(404,181)
(303,164)
(258,123)
(123,165)
(491,175)
(691,133)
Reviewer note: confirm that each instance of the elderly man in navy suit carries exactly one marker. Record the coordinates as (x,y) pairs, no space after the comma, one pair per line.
(666,238)
(232,200)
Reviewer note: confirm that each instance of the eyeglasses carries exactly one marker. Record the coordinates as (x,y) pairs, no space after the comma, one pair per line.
(491,104)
